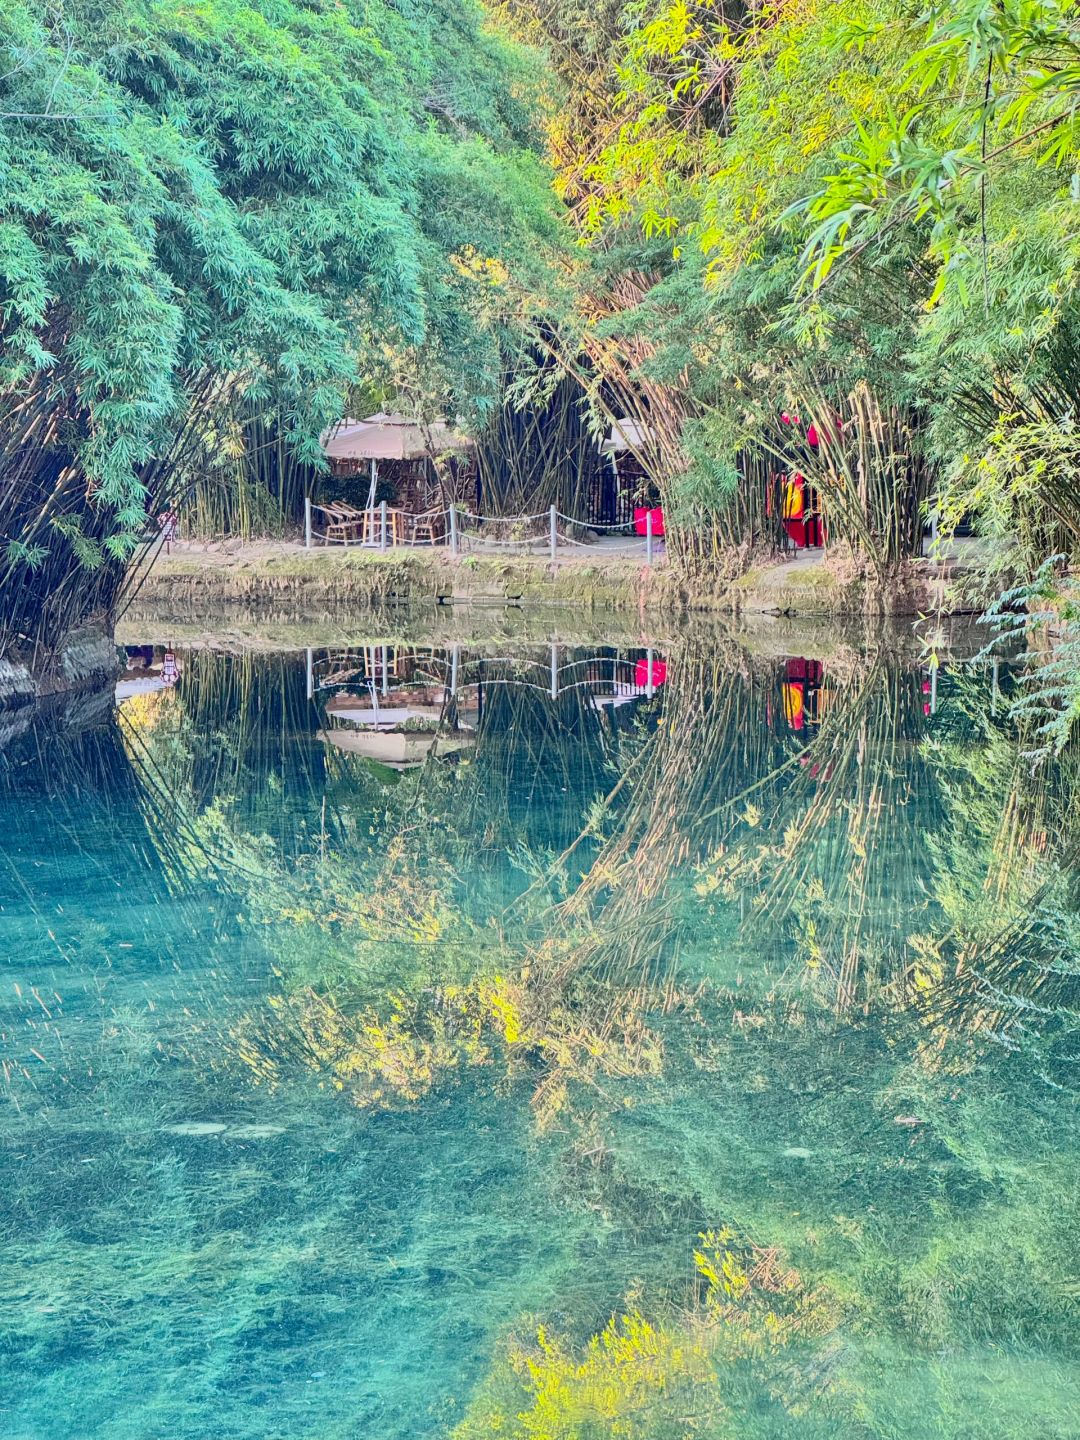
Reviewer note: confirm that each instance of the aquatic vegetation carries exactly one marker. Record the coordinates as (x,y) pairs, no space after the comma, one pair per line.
(675,1377)
(626,1379)
(378,1057)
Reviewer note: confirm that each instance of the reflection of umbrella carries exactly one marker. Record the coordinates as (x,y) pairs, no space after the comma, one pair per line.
(147,685)
(400,749)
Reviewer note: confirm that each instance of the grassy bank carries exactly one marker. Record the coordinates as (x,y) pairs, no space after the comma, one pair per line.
(272,572)
(194,578)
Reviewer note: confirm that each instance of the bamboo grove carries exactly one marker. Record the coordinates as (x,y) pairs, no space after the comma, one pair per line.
(858,213)
(223,213)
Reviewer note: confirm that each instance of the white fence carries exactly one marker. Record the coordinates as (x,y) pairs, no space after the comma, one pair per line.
(458,529)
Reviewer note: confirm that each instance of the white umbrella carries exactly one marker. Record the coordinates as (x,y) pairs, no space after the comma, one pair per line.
(389,437)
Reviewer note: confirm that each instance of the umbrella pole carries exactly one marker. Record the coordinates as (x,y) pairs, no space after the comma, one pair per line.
(369,529)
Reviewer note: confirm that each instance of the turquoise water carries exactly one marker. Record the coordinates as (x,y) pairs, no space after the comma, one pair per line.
(365,1011)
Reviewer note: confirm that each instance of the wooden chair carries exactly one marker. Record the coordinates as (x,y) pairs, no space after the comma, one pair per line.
(351,514)
(366,525)
(340,524)
(427,528)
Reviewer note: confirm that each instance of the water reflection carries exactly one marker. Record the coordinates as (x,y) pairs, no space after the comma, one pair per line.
(541,1041)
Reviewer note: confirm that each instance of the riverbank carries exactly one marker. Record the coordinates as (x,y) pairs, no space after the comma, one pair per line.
(276,572)
(195,578)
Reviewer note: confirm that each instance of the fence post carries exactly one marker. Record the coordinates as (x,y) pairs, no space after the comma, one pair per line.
(310,674)
(650,685)
(648,536)
(554,534)
(382,524)
(554,667)
(453,528)
(307,522)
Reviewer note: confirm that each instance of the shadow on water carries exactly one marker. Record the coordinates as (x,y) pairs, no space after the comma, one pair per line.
(534,1040)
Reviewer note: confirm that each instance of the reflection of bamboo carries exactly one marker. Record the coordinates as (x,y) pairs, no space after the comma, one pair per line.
(530,751)
(711,745)
(853,842)
(62,770)
(613,954)
(852,863)
(247,729)
(1011,954)
(1022,985)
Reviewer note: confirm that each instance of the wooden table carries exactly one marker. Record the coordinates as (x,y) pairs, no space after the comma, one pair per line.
(371,529)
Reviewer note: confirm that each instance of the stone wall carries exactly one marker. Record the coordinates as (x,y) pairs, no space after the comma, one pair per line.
(85,660)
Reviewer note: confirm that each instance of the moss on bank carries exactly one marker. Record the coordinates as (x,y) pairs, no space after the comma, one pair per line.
(193,580)
(364,576)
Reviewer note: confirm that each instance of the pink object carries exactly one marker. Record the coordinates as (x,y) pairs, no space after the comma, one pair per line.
(642,676)
(657,513)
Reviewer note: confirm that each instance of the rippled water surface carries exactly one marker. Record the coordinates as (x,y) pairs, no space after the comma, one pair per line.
(530,1040)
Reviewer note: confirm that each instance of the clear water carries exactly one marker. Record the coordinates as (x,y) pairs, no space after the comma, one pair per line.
(330,1076)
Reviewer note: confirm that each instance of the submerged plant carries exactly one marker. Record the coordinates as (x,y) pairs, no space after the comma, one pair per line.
(673,1377)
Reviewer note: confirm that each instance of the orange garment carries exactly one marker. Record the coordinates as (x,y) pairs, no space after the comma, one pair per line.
(793,705)
(794,498)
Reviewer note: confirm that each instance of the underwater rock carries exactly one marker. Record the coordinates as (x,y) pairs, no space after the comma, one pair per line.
(231,1132)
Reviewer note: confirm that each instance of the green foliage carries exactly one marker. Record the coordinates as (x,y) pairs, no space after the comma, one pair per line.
(1046,608)
(242,199)
(788,200)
